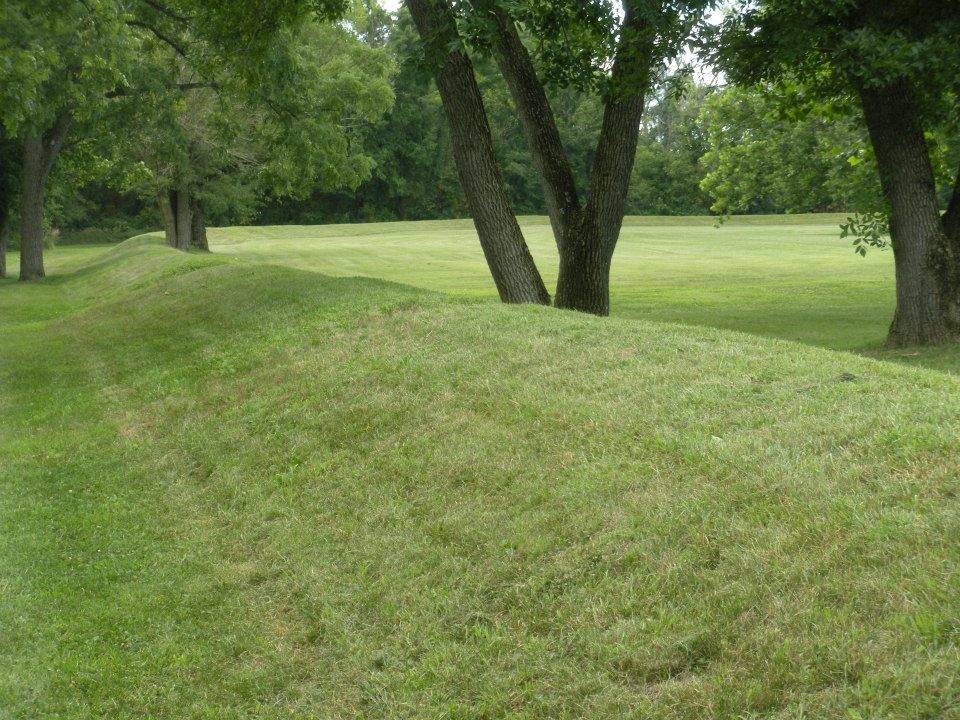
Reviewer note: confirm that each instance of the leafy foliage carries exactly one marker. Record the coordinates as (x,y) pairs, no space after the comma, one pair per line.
(867,230)
(764,155)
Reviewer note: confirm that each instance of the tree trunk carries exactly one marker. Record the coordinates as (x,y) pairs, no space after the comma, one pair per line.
(167,200)
(951,257)
(184,219)
(916,231)
(31,210)
(39,154)
(5,224)
(198,234)
(586,237)
(7,174)
(536,119)
(508,257)
(583,282)
(951,218)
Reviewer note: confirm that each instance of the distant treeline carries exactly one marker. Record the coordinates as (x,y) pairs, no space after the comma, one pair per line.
(702,150)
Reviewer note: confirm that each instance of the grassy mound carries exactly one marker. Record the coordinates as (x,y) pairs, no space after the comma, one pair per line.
(231,489)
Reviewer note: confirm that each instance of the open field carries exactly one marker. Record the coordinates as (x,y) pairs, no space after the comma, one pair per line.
(232,487)
(788,277)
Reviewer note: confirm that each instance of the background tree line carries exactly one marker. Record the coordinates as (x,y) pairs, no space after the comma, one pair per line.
(702,149)
(325,110)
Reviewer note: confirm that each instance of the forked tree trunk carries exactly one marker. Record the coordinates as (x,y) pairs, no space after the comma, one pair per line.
(40,151)
(924,302)
(508,257)
(183,221)
(586,236)
(198,234)
(584,279)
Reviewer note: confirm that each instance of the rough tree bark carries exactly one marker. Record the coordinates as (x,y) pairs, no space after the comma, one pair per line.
(40,151)
(167,202)
(924,298)
(183,222)
(7,150)
(198,232)
(586,236)
(184,218)
(537,120)
(508,257)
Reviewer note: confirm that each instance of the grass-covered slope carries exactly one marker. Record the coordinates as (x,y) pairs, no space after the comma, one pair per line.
(789,277)
(235,490)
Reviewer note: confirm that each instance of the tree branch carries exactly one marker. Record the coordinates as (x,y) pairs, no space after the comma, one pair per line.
(53,140)
(187,86)
(163,9)
(176,46)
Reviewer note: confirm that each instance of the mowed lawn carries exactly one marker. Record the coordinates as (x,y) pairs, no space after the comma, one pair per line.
(790,277)
(238,489)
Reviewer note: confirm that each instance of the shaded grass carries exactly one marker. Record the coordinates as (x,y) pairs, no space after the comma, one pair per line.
(231,489)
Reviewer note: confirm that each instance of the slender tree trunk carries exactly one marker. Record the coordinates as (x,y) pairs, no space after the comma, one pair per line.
(167,201)
(7,150)
(917,233)
(184,218)
(536,119)
(508,257)
(198,234)
(951,257)
(39,154)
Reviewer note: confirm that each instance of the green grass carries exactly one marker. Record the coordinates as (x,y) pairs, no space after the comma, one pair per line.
(234,489)
(787,277)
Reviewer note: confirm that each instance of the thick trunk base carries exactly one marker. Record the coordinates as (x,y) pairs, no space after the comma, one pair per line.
(925,277)
(914,326)
(183,224)
(184,219)
(584,281)
(198,231)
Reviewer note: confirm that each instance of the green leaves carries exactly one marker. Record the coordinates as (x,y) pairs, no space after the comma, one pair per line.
(870,229)
(763,155)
